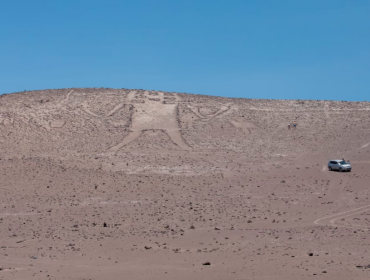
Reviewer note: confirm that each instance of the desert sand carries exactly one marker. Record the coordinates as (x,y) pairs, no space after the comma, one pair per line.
(103,183)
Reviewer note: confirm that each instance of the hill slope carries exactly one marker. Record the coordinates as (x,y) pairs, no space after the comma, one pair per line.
(103,183)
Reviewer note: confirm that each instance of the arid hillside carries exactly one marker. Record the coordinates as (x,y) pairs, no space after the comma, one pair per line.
(135,184)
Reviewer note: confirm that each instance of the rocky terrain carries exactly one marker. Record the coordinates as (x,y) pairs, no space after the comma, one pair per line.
(135,184)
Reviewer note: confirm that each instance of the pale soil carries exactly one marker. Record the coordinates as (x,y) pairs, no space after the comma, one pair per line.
(179,180)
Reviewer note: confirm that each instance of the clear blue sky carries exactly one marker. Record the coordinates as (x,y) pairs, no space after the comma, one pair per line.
(279,49)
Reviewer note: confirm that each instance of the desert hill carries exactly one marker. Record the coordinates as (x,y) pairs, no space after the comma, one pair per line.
(112,183)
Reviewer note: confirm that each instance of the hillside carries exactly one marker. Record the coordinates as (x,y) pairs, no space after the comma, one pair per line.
(106,183)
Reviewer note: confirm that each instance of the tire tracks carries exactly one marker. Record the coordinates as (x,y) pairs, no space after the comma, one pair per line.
(329,221)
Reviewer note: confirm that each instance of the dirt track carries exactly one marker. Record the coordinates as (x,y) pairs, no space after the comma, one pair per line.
(134,184)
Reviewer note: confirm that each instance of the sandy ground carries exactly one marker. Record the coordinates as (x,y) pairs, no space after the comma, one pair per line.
(134,184)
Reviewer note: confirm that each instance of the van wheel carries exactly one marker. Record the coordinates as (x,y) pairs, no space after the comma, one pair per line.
(330,169)
(340,170)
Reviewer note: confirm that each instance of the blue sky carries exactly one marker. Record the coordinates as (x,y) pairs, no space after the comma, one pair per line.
(286,49)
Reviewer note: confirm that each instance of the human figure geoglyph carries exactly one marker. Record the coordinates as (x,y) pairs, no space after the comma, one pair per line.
(153,114)
(152,111)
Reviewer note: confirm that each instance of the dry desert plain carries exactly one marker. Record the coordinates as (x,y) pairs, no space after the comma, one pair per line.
(103,183)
